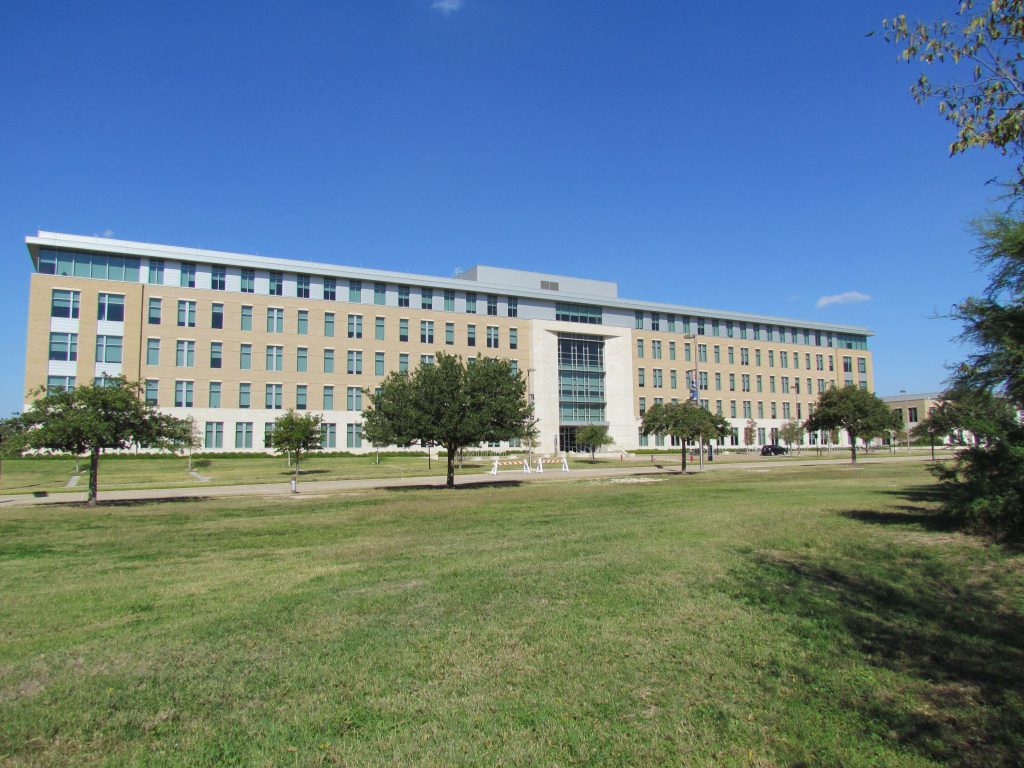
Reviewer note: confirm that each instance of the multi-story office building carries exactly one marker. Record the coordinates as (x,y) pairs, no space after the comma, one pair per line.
(232,339)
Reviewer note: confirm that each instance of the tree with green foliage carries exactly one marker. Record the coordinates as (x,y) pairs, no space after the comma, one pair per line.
(450,403)
(684,421)
(12,438)
(856,411)
(185,436)
(296,433)
(938,424)
(95,418)
(792,432)
(593,436)
(983,46)
(749,432)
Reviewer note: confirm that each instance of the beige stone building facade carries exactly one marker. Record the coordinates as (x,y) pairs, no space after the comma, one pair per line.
(232,340)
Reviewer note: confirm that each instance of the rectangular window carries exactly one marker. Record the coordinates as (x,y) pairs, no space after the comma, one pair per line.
(276,284)
(275,320)
(493,339)
(328,324)
(732,382)
(108,349)
(248,284)
(449,300)
(718,381)
(188,275)
(492,304)
(274,400)
(302,359)
(744,356)
(152,351)
(302,325)
(638,318)
(657,376)
(380,293)
(426,331)
(217,316)
(328,398)
(470,303)
(702,353)
(301,397)
(183,392)
(330,288)
(111,307)
(328,361)
(214,397)
(655,321)
(378,364)
(471,335)
(328,435)
(403,330)
(513,338)
(185,354)
(403,363)
(513,306)
(216,354)
(449,333)
(63,346)
(214,435)
(302,283)
(218,278)
(187,314)
(355,326)
(245,357)
(246,318)
(65,304)
(354,436)
(355,362)
(640,348)
(378,328)
(243,434)
(403,295)
(353,399)
(718,354)
(427,298)
(640,377)
(244,395)
(429,360)
(656,349)
(156,272)
(275,358)
(579,313)
(674,380)
(355,291)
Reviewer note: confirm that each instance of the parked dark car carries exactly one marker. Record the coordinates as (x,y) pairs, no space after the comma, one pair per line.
(773,450)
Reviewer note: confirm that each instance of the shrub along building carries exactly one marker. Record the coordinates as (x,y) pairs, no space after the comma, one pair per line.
(232,339)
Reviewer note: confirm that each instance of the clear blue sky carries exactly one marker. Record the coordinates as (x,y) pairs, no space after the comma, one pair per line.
(747,155)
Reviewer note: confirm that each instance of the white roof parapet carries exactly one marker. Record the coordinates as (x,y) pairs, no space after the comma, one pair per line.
(227,258)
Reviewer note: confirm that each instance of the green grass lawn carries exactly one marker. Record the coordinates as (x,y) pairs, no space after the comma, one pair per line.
(806,617)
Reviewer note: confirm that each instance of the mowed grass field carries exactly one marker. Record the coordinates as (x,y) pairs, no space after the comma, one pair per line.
(803,617)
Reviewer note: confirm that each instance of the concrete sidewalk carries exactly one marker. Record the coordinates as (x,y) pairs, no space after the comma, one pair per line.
(664,465)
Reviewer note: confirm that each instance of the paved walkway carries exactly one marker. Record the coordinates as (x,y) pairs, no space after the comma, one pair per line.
(663,465)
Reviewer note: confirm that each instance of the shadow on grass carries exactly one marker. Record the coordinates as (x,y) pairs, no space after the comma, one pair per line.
(440,486)
(116,503)
(922,511)
(951,632)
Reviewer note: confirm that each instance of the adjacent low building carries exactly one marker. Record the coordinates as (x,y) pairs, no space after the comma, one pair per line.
(233,339)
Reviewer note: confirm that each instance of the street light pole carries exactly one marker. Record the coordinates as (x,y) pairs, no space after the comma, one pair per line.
(529,399)
(696,384)
(906,416)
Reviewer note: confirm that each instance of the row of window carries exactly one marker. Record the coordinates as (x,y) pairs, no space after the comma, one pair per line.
(746,408)
(652,321)
(185,391)
(704,379)
(213,434)
(63,346)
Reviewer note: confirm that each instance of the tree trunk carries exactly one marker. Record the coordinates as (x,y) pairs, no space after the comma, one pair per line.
(682,458)
(450,482)
(94,471)
(933,447)
(853,447)
(296,466)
